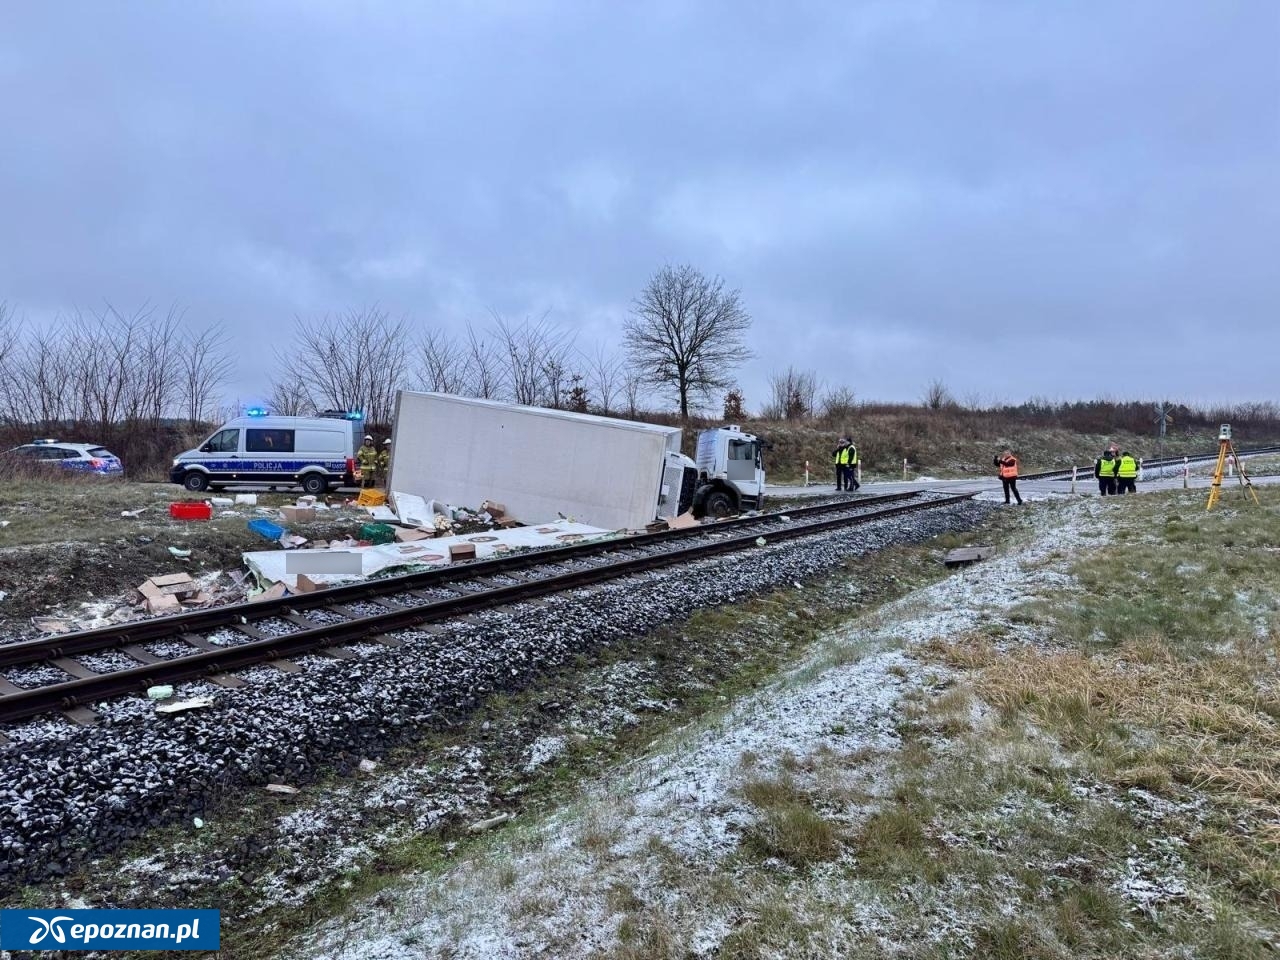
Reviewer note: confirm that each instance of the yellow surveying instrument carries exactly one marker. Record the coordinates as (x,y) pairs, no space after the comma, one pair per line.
(1226,449)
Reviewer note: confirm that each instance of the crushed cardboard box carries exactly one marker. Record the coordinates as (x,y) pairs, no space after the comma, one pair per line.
(298,514)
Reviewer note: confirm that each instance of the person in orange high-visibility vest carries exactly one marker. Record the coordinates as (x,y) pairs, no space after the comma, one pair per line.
(1008,465)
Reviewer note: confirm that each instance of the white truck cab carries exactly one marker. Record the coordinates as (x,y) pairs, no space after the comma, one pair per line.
(731,472)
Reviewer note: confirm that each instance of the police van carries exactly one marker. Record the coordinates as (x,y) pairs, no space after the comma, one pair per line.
(316,453)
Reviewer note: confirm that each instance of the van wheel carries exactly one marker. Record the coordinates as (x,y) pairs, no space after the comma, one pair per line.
(719,505)
(196,482)
(314,484)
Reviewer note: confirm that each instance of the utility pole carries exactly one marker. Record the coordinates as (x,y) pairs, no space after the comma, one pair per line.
(1164,417)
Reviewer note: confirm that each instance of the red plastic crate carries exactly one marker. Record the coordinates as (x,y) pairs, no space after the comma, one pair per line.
(190,510)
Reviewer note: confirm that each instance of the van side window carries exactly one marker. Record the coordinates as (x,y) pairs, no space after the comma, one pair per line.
(268,441)
(224,441)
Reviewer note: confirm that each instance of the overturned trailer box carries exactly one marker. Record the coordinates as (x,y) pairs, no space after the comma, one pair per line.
(539,463)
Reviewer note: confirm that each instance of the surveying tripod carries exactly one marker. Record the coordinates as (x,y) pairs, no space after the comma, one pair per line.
(1227,449)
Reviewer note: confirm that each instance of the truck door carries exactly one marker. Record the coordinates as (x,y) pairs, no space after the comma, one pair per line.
(743,472)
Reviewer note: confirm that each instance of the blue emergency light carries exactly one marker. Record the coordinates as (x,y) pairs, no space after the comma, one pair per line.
(256,412)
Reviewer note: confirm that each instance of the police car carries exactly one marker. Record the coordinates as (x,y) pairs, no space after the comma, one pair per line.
(78,457)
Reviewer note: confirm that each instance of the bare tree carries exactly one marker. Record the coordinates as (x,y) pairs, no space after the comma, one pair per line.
(290,397)
(205,365)
(484,377)
(838,403)
(535,355)
(444,363)
(355,361)
(685,334)
(632,385)
(792,395)
(937,396)
(604,377)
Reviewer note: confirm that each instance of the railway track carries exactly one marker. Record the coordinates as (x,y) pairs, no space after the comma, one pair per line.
(213,644)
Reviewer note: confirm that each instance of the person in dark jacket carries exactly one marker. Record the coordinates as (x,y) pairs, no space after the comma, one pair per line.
(1104,471)
(840,459)
(1008,466)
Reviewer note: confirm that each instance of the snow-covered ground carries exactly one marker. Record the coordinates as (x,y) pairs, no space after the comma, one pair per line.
(550,888)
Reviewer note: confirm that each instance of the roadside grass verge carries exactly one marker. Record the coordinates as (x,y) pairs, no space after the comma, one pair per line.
(1147,732)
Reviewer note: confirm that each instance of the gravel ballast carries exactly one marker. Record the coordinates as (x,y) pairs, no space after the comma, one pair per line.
(70,792)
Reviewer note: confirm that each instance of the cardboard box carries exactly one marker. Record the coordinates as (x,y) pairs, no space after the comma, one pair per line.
(683,522)
(165,603)
(409,535)
(298,514)
(495,510)
(274,592)
(307,585)
(462,551)
(506,523)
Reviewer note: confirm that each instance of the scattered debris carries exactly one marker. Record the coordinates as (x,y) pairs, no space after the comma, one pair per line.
(368,766)
(52,624)
(274,592)
(264,527)
(159,692)
(298,514)
(190,510)
(371,498)
(199,824)
(179,553)
(461,551)
(182,706)
(683,522)
(761,541)
(963,556)
(281,788)
(482,825)
(249,498)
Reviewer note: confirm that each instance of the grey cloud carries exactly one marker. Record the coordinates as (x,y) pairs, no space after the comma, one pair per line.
(1021,198)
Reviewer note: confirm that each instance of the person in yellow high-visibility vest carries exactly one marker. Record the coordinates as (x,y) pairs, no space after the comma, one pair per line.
(851,452)
(1127,473)
(840,458)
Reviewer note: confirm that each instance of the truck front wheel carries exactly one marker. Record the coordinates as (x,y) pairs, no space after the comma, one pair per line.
(719,505)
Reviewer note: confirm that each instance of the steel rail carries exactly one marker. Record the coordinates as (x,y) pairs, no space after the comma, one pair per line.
(78,692)
(28,652)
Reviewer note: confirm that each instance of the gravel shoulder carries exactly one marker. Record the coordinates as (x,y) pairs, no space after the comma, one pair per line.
(484,718)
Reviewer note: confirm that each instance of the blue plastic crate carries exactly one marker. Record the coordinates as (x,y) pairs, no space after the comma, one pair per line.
(263,526)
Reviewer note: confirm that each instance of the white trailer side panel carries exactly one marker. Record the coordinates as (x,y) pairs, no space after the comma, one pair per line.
(539,463)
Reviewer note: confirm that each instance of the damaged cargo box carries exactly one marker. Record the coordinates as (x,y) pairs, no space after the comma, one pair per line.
(539,464)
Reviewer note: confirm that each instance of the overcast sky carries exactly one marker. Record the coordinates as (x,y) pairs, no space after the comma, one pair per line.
(1059,199)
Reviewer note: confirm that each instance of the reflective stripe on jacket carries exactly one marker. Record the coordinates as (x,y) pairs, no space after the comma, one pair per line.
(1009,468)
(367,458)
(1128,468)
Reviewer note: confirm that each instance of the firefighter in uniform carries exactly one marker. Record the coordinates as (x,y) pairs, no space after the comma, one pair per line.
(1104,470)
(367,458)
(1127,473)
(384,462)
(1008,465)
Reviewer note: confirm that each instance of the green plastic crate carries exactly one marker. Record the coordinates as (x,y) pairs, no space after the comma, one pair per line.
(377,533)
